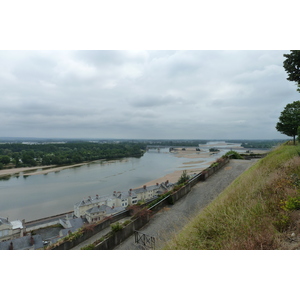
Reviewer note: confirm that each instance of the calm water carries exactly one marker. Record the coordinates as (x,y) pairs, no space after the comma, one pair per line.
(38,196)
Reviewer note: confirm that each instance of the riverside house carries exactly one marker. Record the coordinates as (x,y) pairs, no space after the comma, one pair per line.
(101,206)
(117,199)
(99,212)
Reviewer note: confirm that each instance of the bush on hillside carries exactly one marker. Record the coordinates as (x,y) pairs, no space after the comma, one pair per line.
(233,155)
(292,203)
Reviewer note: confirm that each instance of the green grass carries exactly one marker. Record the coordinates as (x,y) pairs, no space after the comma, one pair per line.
(251,213)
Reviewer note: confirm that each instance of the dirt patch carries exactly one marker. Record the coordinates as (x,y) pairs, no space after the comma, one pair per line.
(8,172)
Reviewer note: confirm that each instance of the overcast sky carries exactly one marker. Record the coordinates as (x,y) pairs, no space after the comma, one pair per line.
(143,94)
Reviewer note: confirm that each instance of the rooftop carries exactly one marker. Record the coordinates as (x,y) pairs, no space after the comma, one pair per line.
(104,208)
(16,224)
(95,200)
(4,221)
(23,243)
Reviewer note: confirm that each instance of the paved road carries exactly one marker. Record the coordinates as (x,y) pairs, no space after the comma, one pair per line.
(171,219)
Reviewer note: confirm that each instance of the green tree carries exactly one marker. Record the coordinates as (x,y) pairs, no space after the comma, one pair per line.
(183,178)
(5,159)
(289,120)
(292,66)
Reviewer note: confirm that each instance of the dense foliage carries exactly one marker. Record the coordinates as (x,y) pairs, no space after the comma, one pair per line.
(292,66)
(289,119)
(263,144)
(233,155)
(24,155)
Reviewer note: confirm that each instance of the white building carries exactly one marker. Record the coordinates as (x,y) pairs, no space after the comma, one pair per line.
(150,192)
(100,212)
(117,199)
(11,230)
(82,206)
(120,199)
(125,198)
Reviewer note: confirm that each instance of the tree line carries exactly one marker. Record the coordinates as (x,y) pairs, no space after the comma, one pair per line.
(264,144)
(24,155)
(289,120)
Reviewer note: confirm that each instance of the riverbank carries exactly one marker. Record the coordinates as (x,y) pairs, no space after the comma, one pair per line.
(174,177)
(190,153)
(14,171)
(201,156)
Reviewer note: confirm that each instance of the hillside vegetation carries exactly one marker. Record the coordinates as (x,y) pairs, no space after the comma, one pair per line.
(259,210)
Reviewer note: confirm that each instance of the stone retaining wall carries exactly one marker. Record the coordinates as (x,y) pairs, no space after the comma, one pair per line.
(118,237)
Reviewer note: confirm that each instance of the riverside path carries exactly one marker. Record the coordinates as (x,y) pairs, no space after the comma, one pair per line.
(171,219)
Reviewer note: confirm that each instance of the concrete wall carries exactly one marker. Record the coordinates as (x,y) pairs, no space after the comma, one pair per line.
(44,225)
(120,236)
(161,204)
(29,223)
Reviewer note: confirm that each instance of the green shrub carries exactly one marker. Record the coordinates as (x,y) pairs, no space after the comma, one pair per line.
(215,164)
(159,199)
(73,236)
(292,203)
(282,223)
(233,155)
(183,178)
(126,223)
(116,227)
(88,247)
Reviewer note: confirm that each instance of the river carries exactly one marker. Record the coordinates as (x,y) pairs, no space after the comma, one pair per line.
(38,196)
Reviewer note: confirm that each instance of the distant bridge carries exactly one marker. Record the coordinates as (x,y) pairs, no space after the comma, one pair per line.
(153,147)
(171,148)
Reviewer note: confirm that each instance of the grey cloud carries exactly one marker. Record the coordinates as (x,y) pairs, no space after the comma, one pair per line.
(140,94)
(156,101)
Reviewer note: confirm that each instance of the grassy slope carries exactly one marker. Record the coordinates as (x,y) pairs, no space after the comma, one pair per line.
(252,212)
